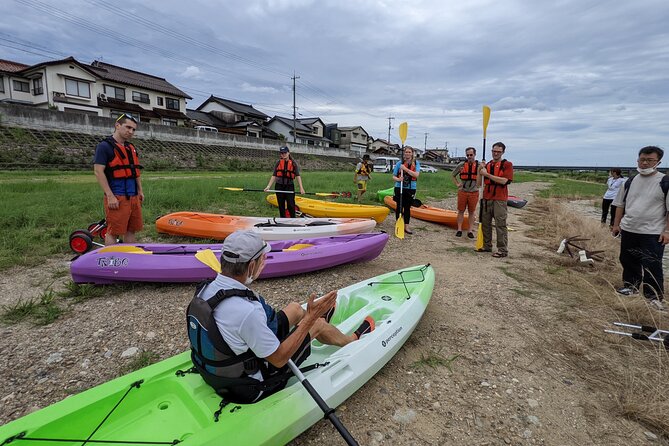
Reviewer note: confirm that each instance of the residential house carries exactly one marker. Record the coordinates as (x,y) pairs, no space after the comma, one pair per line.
(236,117)
(333,134)
(437,155)
(354,139)
(309,132)
(381,147)
(99,89)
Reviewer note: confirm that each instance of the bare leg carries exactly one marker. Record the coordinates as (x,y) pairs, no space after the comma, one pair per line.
(329,334)
(471,216)
(294,312)
(129,237)
(460,219)
(110,239)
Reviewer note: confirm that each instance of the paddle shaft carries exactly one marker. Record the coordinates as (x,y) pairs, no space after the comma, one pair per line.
(329,413)
(274,191)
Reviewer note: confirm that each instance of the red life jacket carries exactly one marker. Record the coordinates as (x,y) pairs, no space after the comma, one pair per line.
(125,163)
(469,173)
(408,178)
(285,169)
(494,168)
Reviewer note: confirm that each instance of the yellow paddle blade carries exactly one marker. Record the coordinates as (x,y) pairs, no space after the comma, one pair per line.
(399,227)
(325,194)
(479,237)
(298,246)
(208,257)
(236,189)
(486,119)
(404,128)
(127,249)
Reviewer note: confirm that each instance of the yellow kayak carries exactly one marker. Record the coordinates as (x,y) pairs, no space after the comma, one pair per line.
(319,208)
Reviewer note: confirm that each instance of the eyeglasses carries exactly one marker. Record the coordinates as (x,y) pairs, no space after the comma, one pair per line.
(468,155)
(647,160)
(127,115)
(498,151)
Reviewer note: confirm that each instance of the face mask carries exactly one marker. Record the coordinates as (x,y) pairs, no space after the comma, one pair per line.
(248,281)
(648,170)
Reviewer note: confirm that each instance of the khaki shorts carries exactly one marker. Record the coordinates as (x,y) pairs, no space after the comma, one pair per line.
(128,216)
(467,200)
(362,185)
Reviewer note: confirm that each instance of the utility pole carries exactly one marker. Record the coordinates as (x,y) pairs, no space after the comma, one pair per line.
(390,118)
(294,109)
(425,145)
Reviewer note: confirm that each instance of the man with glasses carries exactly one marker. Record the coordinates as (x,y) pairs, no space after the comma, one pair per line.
(643,224)
(117,169)
(497,175)
(466,178)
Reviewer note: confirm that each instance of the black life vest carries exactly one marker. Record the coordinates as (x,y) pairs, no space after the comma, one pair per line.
(225,371)
(125,163)
(364,169)
(407,179)
(286,169)
(469,173)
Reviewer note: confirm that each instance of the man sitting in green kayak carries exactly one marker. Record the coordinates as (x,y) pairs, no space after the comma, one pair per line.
(240,344)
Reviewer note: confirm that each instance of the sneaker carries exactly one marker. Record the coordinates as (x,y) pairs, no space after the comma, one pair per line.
(627,291)
(470,234)
(657,304)
(367,326)
(328,314)
(458,234)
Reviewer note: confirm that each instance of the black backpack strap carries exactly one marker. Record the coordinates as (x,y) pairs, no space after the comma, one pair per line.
(626,186)
(221,295)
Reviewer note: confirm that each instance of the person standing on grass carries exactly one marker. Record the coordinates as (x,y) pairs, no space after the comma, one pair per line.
(405,174)
(643,224)
(613,185)
(286,171)
(117,169)
(466,178)
(362,175)
(497,175)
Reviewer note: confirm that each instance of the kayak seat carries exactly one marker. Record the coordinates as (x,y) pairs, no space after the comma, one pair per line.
(276,225)
(321,223)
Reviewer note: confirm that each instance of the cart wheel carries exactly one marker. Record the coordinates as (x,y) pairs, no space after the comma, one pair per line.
(81,241)
(103,232)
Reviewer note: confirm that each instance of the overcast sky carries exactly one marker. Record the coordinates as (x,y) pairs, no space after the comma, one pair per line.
(569,82)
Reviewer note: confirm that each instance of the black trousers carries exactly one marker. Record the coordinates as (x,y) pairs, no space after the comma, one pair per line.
(404,203)
(286,200)
(606,205)
(641,259)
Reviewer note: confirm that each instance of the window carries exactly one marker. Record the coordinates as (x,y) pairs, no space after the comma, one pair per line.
(170,122)
(172,104)
(37,86)
(21,86)
(160,100)
(343,135)
(2,84)
(140,97)
(115,92)
(77,88)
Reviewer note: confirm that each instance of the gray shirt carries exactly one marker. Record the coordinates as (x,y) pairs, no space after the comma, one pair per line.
(467,186)
(645,206)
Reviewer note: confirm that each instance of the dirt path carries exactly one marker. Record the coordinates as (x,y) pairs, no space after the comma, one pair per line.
(507,384)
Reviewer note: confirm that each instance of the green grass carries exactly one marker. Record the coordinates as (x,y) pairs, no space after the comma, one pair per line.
(41,311)
(41,208)
(144,359)
(81,292)
(434,360)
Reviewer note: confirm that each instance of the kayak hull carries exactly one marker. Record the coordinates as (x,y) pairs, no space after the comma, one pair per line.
(321,208)
(157,404)
(435,215)
(515,202)
(381,194)
(177,263)
(219,226)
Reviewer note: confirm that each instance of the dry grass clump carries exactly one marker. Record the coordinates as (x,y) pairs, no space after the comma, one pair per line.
(636,372)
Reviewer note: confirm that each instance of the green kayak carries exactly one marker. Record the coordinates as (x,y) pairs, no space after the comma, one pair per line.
(161,405)
(381,194)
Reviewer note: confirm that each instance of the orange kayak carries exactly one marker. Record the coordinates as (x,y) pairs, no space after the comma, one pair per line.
(429,213)
(219,226)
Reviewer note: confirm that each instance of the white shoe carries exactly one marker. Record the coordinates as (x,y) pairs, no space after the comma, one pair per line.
(657,304)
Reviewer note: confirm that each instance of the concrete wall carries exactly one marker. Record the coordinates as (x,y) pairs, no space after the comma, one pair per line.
(42,119)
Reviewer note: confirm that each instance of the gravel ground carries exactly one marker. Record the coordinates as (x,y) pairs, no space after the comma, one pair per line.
(506,385)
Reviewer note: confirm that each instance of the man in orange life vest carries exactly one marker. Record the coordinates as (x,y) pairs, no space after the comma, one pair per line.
(468,181)
(497,175)
(285,171)
(117,169)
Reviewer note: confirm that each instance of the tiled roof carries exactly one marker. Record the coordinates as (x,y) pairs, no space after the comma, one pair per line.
(130,77)
(289,122)
(167,113)
(245,109)
(204,117)
(7,66)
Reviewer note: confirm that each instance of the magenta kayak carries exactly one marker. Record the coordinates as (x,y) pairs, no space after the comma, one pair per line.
(153,262)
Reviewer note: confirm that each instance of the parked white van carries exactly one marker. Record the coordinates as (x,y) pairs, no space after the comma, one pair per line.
(385,164)
(206,128)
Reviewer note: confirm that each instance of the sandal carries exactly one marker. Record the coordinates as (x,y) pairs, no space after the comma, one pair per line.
(499,255)
(483,250)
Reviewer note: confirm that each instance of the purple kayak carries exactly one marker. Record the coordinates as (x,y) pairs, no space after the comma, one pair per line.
(154,262)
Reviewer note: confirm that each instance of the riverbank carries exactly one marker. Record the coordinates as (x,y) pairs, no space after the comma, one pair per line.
(510,351)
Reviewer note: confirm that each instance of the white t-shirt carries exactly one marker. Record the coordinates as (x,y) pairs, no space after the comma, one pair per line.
(614,185)
(242,323)
(645,206)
